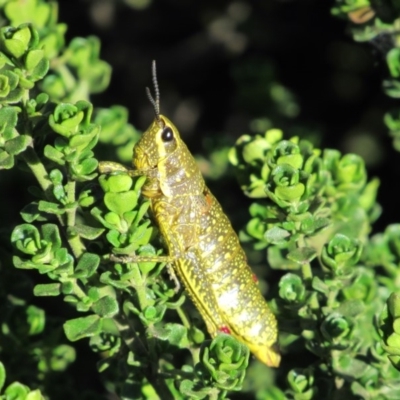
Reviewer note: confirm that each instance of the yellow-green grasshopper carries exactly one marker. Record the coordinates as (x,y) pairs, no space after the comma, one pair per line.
(203,248)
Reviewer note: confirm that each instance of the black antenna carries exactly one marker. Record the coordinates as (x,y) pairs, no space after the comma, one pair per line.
(156,102)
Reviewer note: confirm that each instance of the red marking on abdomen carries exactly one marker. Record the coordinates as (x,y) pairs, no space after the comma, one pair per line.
(209,200)
(225,329)
(255,279)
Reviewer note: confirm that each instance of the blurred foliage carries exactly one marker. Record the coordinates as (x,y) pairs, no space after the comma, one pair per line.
(334,285)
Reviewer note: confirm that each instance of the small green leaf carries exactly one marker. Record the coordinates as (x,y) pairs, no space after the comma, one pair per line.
(14,47)
(32,11)
(87,166)
(153,314)
(16,391)
(6,160)
(106,307)
(67,287)
(294,160)
(393,340)
(119,183)
(61,357)
(302,255)
(393,62)
(41,100)
(54,86)
(276,235)
(2,375)
(394,305)
(18,144)
(113,221)
(25,83)
(341,253)
(65,119)
(32,58)
(54,155)
(4,86)
(94,294)
(121,202)
(14,96)
(86,232)
(350,172)
(86,198)
(113,237)
(290,193)
(301,382)
(79,328)
(8,118)
(47,289)
(177,335)
(141,235)
(319,285)
(119,284)
(35,395)
(51,208)
(255,150)
(291,288)
(351,308)
(36,319)
(141,212)
(26,238)
(226,360)
(335,327)
(30,212)
(188,389)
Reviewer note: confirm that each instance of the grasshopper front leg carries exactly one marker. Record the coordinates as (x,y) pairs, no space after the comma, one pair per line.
(141,259)
(110,167)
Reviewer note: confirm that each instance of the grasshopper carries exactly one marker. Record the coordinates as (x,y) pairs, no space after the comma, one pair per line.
(203,248)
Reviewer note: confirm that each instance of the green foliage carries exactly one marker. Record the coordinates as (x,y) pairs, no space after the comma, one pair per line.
(314,221)
(301,385)
(374,20)
(16,390)
(337,297)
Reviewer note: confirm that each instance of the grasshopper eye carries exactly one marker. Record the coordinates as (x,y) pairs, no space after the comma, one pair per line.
(167,135)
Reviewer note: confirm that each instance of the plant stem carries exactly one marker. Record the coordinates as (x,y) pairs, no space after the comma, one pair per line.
(76,245)
(38,169)
(183,317)
(159,384)
(66,76)
(74,240)
(139,285)
(306,267)
(71,212)
(307,273)
(77,290)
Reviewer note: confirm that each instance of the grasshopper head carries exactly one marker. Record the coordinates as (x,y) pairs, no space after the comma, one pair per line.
(159,141)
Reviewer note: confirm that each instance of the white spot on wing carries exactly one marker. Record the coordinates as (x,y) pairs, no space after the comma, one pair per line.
(229,299)
(256,330)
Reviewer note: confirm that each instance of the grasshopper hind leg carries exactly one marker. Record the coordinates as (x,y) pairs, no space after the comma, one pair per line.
(173,277)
